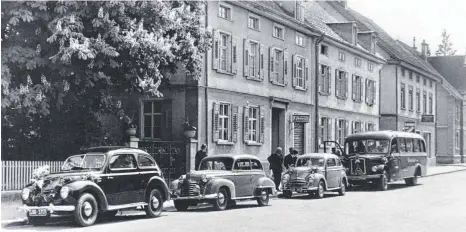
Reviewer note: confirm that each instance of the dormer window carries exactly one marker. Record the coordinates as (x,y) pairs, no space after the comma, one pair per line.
(355,35)
(373,42)
(278,31)
(324,49)
(299,11)
(341,56)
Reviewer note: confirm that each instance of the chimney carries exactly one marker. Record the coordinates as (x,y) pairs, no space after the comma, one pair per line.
(424,49)
(414,43)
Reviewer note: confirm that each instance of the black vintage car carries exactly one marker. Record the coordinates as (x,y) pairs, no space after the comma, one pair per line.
(98,183)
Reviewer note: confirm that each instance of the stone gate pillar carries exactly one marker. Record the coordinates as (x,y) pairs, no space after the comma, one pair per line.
(191,149)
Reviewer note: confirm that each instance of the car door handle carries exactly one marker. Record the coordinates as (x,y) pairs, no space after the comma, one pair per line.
(110,177)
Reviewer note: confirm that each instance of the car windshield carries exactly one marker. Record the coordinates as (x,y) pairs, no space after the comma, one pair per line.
(364,146)
(85,161)
(308,161)
(223,163)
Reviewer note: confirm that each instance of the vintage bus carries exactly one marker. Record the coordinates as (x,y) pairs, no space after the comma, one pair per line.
(380,157)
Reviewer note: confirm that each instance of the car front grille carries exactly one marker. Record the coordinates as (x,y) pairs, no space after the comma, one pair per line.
(43,198)
(358,166)
(187,189)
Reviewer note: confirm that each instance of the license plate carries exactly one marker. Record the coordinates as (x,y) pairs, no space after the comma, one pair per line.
(37,212)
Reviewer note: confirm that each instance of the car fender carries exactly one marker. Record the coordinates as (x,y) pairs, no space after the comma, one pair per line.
(214,185)
(264,183)
(81,186)
(159,182)
(174,185)
(318,177)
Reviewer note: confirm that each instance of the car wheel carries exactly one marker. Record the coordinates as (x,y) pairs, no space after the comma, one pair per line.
(221,202)
(411,181)
(154,205)
(37,221)
(287,193)
(383,181)
(86,210)
(320,190)
(181,205)
(342,190)
(263,199)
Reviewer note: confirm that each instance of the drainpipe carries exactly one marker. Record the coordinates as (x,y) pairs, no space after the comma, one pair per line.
(206,84)
(316,93)
(462,130)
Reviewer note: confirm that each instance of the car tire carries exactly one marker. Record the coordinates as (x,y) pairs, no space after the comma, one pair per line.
(411,181)
(37,221)
(383,181)
(342,190)
(263,199)
(181,205)
(221,203)
(320,192)
(287,193)
(154,205)
(86,210)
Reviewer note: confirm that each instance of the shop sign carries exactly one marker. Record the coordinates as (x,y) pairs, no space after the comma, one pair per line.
(301,118)
(427,118)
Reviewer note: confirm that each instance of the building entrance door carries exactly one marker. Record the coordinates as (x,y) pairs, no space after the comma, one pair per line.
(278,128)
(427,137)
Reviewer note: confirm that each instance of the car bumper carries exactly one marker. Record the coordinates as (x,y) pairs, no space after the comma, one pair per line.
(50,208)
(364,178)
(199,198)
(299,188)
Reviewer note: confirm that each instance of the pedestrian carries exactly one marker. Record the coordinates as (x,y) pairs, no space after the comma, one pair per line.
(289,159)
(276,160)
(201,154)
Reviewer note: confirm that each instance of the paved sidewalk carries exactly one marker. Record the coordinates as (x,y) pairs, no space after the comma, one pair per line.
(11,199)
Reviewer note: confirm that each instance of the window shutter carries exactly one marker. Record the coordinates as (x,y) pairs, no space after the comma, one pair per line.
(261,61)
(329,129)
(336,131)
(321,79)
(246,58)
(346,129)
(345,85)
(367,91)
(234,58)
(355,87)
(337,84)
(229,55)
(271,59)
(234,136)
(262,124)
(286,72)
(215,49)
(246,124)
(363,126)
(373,93)
(293,71)
(215,121)
(329,79)
(306,73)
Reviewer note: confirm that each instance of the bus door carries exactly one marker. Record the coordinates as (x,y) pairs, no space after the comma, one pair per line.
(394,161)
(333,147)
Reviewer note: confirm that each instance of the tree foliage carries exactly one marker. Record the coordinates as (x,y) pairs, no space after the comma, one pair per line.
(446,47)
(62,60)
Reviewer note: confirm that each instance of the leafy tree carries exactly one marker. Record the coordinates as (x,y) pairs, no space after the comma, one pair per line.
(62,62)
(446,47)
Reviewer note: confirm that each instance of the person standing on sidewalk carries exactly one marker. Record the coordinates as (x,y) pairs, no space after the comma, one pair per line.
(201,154)
(276,160)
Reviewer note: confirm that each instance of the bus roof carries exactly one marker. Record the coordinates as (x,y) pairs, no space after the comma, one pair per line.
(382,135)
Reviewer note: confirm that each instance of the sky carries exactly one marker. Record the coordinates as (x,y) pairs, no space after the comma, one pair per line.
(423,19)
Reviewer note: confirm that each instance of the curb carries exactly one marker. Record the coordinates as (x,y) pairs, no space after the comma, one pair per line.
(441,173)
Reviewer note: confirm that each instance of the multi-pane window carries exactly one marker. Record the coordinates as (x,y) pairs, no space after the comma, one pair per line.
(341,84)
(370,66)
(299,11)
(356,127)
(223,51)
(224,122)
(370,126)
(431,103)
(324,49)
(403,96)
(424,101)
(276,66)
(224,12)
(418,100)
(370,92)
(425,81)
(341,131)
(253,58)
(278,32)
(299,73)
(357,62)
(152,119)
(325,130)
(324,83)
(253,22)
(299,40)
(403,72)
(410,98)
(431,83)
(410,75)
(458,111)
(253,121)
(341,56)
(357,88)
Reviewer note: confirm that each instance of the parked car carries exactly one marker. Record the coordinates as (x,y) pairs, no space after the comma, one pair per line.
(221,180)
(315,174)
(98,183)
(380,157)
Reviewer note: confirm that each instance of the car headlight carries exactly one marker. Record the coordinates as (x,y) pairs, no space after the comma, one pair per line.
(196,189)
(384,160)
(25,193)
(64,191)
(204,178)
(285,178)
(374,168)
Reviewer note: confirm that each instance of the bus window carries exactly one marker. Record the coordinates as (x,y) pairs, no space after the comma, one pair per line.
(394,146)
(417,147)
(401,142)
(409,145)
(423,146)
